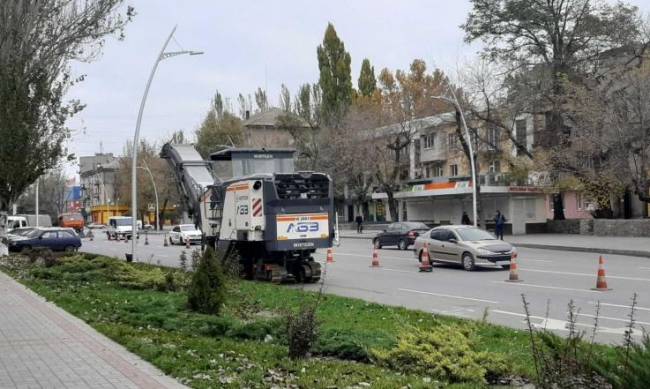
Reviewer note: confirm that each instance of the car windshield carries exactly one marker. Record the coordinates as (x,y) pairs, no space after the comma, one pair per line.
(127,221)
(416,226)
(188,227)
(32,234)
(22,231)
(474,234)
(72,217)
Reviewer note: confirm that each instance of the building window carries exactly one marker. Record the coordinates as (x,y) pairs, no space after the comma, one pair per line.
(453,170)
(495,166)
(452,140)
(417,151)
(520,134)
(437,171)
(430,141)
(581,202)
(493,138)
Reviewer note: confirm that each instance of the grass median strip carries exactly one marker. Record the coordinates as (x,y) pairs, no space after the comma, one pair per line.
(141,307)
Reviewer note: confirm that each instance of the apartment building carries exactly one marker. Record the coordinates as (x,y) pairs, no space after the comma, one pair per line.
(437,184)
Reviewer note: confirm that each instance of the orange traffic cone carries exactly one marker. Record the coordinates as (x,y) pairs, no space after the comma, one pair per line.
(601,282)
(375,257)
(425,264)
(330,256)
(514,270)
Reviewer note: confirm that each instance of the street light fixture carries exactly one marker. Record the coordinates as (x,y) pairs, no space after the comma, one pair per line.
(134,182)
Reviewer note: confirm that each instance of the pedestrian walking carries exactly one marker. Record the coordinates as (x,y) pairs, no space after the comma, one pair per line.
(465,219)
(499,222)
(359,220)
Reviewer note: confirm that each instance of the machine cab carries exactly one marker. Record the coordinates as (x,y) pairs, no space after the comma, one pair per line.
(236,163)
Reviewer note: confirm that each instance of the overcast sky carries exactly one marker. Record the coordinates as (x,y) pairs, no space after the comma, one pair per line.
(247,44)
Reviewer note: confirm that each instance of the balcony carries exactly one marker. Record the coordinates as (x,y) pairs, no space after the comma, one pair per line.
(435,154)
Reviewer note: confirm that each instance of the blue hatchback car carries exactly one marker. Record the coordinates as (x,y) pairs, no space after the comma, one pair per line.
(55,239)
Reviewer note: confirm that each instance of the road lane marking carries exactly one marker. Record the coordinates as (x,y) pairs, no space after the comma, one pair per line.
(546,287)
(448,296)
(621,306)
(585,274)
(611,318)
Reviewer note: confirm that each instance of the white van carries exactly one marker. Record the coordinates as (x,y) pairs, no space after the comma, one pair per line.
(120,227)
(14,222)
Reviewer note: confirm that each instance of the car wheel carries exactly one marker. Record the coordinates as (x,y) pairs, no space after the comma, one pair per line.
(468,262)
(402,244)
(69,249)
(376,243)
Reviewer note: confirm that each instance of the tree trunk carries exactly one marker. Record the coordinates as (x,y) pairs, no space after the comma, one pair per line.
(558,206)
(392,206)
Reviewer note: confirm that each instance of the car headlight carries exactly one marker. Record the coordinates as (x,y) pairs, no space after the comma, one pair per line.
(484,252)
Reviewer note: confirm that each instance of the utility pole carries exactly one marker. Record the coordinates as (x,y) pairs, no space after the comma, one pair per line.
(36,201)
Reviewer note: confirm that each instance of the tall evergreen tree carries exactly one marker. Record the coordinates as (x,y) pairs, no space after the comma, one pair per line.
(335,77)
(367,81)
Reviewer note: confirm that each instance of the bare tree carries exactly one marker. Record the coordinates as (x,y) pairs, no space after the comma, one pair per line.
(38,39)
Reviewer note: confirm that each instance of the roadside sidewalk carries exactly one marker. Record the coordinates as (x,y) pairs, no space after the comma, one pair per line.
(637,247)
(42,346)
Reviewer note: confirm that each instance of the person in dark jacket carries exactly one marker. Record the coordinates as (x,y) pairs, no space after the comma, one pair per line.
(359,220)
(499,223)
(465,219)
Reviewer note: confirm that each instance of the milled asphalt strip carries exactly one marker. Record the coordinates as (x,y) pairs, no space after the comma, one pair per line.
(541,246)
(585,274)
(545,287)
(448,296)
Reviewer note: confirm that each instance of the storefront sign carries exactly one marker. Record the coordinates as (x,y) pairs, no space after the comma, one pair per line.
(524,189)
(441,186)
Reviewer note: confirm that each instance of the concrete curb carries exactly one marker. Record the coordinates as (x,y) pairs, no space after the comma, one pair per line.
(632,253)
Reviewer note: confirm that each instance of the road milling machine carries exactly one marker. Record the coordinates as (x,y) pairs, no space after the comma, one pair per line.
(253,201)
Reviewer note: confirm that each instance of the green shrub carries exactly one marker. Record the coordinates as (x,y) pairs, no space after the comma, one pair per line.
(257,330)
(206,292)
(630,369)
(443,352)
(342,346)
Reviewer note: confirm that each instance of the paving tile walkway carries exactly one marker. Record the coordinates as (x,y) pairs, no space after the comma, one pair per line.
(42,346)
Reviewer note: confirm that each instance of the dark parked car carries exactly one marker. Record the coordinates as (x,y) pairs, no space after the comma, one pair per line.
(56,239)
(401,234)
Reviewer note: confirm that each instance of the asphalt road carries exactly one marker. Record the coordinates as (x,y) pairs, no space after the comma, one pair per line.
(551,279)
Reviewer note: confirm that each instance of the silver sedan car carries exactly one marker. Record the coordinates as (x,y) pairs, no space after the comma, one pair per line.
(464,245)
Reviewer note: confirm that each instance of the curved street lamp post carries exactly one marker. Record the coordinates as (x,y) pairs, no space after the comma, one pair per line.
(134,185)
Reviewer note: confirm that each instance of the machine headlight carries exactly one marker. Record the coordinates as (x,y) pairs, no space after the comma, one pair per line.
(484,252)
